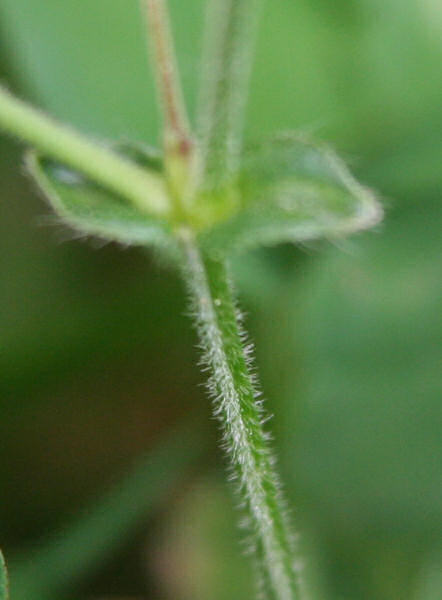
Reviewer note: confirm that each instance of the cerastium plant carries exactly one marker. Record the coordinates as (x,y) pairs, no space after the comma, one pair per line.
(201,199)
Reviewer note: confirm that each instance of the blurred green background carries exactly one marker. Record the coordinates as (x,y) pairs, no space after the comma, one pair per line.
(99,499)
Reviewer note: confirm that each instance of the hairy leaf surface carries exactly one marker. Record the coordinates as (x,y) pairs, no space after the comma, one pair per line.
(293,190)
(92,210)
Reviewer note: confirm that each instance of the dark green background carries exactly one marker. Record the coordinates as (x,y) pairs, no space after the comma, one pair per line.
(97,357)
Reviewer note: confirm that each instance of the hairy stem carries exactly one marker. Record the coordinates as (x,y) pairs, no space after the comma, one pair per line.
(144,189)
(176,125)
(234,394)
(230,34)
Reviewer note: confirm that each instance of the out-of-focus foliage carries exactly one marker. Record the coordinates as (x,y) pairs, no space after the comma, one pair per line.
(96,359)
(97,532)
(88,64)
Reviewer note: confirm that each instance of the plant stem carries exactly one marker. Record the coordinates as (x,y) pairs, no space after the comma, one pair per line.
(177,137)
(144,189)
(4,584)
(230,34)
(233,391)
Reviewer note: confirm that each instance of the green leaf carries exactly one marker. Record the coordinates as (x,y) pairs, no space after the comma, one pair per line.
(293,190)
(4,587)
(94,211)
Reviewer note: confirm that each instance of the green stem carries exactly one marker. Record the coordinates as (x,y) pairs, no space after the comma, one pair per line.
(144,189)
(241,416)
(4,585)
(230,34)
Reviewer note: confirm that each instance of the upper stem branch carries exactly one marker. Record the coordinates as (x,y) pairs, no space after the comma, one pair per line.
(230,34)
(143,188)
(177,137)
(240,414)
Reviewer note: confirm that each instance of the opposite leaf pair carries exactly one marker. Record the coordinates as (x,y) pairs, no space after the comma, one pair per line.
(202,201)
(289,189)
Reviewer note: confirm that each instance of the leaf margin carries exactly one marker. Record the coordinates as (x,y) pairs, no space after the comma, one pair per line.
(367,210)
(152,231)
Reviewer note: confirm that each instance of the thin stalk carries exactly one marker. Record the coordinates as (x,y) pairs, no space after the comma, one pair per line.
(228,47)
(144,189)
(4,584)
(233,390)
(177,138)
